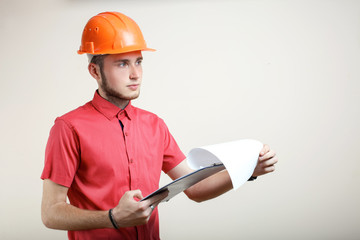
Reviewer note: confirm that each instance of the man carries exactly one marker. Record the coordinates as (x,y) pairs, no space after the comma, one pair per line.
(107,154)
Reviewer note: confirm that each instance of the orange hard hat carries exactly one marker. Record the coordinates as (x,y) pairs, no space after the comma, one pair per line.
(111,33)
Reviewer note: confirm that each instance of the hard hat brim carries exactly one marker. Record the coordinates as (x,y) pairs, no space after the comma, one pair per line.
(118,52)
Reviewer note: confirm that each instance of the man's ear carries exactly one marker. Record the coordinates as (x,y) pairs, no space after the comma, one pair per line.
(94,71)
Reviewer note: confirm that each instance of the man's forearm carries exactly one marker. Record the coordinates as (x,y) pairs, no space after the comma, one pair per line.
(64,216)
(210,187)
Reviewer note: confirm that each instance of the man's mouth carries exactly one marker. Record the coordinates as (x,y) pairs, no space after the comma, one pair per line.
(134,86)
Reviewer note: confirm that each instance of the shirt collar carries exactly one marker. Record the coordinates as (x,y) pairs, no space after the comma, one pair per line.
(110,110)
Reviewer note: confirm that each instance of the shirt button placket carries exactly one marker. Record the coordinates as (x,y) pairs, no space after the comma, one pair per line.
(133,184)
(126,135)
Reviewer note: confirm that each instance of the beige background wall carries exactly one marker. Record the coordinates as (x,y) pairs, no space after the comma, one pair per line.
(284,72)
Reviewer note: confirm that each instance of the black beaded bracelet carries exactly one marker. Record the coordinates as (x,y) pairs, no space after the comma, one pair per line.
(113,220)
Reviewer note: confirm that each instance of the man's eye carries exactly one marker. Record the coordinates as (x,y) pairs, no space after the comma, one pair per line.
(139,62)
(122,64)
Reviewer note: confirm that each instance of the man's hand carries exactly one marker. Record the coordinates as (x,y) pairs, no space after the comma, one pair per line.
(130,212)
(266,162)
(56,213)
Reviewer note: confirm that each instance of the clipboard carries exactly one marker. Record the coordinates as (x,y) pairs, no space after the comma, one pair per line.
(181,184)
(238,157)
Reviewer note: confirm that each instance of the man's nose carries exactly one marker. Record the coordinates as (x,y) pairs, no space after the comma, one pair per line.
(135,72)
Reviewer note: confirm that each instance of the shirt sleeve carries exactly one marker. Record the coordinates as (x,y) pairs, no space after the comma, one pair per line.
(172,153)
(61,154)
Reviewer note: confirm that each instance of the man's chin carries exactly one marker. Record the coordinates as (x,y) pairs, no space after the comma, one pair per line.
(134,97)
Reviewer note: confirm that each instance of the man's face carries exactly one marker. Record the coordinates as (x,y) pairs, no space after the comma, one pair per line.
(121,76)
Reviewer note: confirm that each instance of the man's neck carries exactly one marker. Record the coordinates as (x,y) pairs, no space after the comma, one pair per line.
(120,103)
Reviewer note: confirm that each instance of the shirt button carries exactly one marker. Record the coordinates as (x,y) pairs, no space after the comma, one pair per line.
(131,160)
(126,134)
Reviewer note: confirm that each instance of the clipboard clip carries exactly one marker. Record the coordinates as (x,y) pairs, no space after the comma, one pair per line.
(217,164)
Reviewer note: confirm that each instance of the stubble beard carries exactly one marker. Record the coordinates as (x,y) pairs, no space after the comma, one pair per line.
(112,93)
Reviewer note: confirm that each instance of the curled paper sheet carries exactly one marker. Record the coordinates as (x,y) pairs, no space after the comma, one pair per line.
(239,158)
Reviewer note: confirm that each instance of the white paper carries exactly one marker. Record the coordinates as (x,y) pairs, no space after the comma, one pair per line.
(239,158)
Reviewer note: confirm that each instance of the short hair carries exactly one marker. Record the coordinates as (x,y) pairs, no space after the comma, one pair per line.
(97,59)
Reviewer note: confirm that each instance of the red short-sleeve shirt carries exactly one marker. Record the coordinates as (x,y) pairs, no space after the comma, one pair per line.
(90,153)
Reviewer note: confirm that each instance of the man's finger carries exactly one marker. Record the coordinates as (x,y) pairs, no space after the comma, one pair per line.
(154,200)
(264,150)
(268,155)
(136,194)
(269,169)
(269,162)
